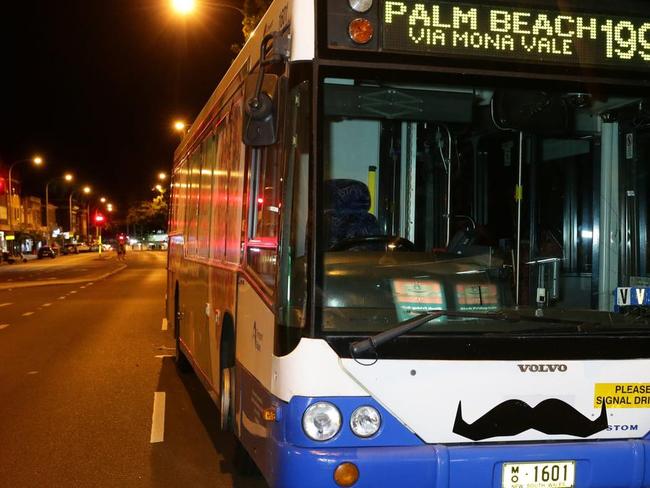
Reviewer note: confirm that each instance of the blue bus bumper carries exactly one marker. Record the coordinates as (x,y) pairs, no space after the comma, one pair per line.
(604,464)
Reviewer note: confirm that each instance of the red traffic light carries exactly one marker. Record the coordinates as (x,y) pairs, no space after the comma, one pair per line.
(99,219)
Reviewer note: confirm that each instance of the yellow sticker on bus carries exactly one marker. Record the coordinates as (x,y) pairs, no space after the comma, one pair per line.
(622,395)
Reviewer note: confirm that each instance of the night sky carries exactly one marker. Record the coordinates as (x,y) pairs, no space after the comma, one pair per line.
(94,85)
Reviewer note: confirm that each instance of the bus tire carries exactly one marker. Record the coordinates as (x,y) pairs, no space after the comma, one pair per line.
(227,399)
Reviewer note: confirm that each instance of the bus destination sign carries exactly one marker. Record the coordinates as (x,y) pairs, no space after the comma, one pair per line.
(516,34)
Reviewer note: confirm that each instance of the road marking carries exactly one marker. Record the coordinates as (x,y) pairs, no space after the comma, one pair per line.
(32,372)
(163,356)
(4,304)
(164,324)
(158,418)
(27,314)
(3,326)
(73,292)
(82,287)
(90,284)
(61,298)
(47,305)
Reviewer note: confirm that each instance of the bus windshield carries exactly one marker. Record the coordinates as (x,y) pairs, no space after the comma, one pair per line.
(481,199)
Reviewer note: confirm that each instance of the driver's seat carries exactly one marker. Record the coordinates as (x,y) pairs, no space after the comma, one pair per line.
(346,211)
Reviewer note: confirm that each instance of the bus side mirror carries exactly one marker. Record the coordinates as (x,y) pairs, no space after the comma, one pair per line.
(261,111)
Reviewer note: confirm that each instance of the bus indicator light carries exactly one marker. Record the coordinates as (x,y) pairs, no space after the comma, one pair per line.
(361,31)
(269,414)
(346,474)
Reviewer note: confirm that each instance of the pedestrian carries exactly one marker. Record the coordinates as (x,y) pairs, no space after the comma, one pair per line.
(121,252)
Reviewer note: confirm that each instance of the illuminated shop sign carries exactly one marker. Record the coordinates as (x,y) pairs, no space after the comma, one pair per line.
(517,34)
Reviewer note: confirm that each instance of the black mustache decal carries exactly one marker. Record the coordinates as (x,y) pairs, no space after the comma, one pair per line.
(513,417)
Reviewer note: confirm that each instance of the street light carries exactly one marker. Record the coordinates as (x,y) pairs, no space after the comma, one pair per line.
(187,7)
(37,161)
(102,199)
(66,177)
(162,176)
(87,190)
(183,7)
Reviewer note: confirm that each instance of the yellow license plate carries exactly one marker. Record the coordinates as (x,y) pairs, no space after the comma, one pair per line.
(555,474)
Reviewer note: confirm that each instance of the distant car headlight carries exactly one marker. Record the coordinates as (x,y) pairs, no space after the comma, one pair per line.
(321,421)
(365,421)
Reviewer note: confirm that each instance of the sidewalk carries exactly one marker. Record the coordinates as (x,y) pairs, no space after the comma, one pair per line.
(65,270)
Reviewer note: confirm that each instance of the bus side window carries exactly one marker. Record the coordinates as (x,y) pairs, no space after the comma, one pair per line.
(264,217)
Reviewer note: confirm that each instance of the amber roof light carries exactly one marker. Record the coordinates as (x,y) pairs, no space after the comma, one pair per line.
(361,31)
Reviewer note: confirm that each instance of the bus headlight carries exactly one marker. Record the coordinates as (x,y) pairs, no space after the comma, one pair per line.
(321,421)
(360,5)
(365,421)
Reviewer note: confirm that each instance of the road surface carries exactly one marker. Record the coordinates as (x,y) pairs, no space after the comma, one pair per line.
(82,366)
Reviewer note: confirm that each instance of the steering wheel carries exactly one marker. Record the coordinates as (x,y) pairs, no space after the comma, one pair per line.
(389,243)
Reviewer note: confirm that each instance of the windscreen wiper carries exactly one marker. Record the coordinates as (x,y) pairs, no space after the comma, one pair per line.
(372,343)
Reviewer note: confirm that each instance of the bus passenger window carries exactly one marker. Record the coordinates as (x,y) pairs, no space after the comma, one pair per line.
(265,215)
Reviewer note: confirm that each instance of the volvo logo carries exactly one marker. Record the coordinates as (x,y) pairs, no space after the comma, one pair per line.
(542,368)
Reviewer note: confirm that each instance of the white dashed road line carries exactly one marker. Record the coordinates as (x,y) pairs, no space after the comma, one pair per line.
(47,305)
(4,304)
(158,418)
(164,324)
(3,326)
(61,298)
(27,314)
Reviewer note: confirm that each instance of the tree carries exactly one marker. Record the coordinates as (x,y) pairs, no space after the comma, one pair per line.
(149,215)
(254,10)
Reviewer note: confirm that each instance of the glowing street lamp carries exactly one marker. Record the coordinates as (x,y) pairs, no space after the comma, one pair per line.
(36,161)
(162,176)
(188,7)
(102,199)
(180,127)
(183,7)
(67,177)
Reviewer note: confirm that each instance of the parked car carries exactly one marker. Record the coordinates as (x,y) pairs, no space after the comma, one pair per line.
(46,252)
(69,249)
(83,248)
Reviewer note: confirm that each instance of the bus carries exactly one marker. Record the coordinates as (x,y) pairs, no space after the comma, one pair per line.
(409,244)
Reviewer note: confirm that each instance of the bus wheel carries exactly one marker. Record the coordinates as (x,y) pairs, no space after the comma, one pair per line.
(227,401)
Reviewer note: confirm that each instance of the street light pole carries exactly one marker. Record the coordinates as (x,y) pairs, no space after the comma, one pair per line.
(70,212)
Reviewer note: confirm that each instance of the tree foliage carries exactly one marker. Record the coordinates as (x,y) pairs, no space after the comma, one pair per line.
(254,10)
(149,215)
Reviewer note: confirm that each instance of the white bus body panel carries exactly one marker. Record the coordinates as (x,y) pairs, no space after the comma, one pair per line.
(303,39)
(312,369)
(427,401)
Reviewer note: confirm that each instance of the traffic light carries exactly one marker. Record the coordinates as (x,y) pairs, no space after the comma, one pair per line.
(121,238)
(100,220)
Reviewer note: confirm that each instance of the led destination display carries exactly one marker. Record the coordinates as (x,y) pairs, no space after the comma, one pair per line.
(517,34)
